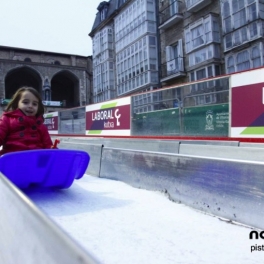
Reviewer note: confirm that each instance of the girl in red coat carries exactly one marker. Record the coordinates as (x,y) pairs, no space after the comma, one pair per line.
(21,125)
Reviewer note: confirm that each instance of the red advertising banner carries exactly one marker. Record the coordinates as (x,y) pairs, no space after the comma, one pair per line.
(247,106)
(51,122)
(109,118)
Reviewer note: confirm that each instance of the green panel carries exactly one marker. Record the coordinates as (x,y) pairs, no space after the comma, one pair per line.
(162,122)
(253,131)
(211,120)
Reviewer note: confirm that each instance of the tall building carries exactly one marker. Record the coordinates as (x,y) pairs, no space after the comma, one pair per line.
(141,45)
(190,35)
(242,34)
(125,49)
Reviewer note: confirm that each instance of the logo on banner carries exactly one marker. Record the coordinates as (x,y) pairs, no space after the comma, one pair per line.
(50,123)
(209,117)
(108,117)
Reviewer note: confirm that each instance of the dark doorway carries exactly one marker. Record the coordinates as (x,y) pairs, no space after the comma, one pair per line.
(23,76)
(65,88)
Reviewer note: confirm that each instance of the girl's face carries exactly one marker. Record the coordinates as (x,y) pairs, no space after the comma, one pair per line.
(28,103)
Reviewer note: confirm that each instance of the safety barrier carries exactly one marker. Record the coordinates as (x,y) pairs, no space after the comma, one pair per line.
(170,146)
(29,236)
(251,145)
(212,142)
(228,188)
(225,188)
(226,152)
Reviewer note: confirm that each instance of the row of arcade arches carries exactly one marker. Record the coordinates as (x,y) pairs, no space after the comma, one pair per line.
(63,87)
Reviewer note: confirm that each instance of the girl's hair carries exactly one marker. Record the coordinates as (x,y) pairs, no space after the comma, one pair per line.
(13,104)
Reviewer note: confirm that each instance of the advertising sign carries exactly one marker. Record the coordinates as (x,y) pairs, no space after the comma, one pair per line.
(210,120)
(52,103)
(109,118)
(51,122)
(247,101)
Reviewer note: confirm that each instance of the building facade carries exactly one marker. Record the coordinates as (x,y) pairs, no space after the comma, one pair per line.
(125,53)
(162,43)
(63,80)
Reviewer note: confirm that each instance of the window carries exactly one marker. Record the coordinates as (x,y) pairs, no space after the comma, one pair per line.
(207,53)
(230,65)
(27,60)
(227,17)
(174,58)
(103,12)
(201,33)
(240,21)
(174,7)
(239,13)
(242,61)
(246,59)
(255,56)
(242,35)
(190,3)
(197,36)
(202,73)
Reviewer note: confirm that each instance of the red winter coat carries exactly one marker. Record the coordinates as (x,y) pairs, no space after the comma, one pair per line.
(20,132)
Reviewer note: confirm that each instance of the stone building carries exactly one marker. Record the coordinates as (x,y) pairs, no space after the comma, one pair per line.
(190,37)
(204,38)
(63,80)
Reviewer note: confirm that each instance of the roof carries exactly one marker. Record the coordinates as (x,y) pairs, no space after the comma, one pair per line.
(112,7)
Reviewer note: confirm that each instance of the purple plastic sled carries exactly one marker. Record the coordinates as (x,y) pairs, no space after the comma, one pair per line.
(45,167)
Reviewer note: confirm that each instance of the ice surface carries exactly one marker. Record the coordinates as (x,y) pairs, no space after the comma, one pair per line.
(121,224)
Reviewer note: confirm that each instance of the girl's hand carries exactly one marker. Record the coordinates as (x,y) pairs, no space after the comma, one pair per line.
(56,142)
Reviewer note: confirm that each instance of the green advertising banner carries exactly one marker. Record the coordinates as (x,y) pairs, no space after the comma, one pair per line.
(161,122)
(211,120)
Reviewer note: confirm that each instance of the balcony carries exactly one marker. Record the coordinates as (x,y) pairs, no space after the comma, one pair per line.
(196,5)
(170,16)
(172,69)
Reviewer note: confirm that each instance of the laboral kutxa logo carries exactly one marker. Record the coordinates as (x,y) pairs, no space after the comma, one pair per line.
(110,116)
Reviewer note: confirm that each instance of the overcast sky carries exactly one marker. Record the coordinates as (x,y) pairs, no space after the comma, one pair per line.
(49,25)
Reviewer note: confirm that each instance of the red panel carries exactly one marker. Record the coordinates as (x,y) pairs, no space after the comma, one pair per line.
(115,118)
(246,105)
(51,123)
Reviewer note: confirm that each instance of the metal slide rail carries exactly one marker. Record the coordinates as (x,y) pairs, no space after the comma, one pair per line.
(225,152)
(29,236)
(226,188)
(233,189)
(171,146)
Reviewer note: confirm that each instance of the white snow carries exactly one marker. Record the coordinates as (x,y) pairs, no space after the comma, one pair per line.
(121,224)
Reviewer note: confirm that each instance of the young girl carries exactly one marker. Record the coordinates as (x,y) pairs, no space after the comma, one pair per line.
(21,125)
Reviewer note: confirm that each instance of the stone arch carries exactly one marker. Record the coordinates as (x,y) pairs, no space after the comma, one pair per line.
(21,76)
(65,88)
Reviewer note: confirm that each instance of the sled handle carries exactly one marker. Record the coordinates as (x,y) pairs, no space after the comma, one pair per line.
(56,142)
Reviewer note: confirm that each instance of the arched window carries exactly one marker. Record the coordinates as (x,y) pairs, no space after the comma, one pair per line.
(230,64)
(243,62)
(256,57)
(57,62)
(27,60)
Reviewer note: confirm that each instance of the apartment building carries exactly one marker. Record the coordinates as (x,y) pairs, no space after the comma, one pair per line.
(125,49)
(141,45)
(242,34)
